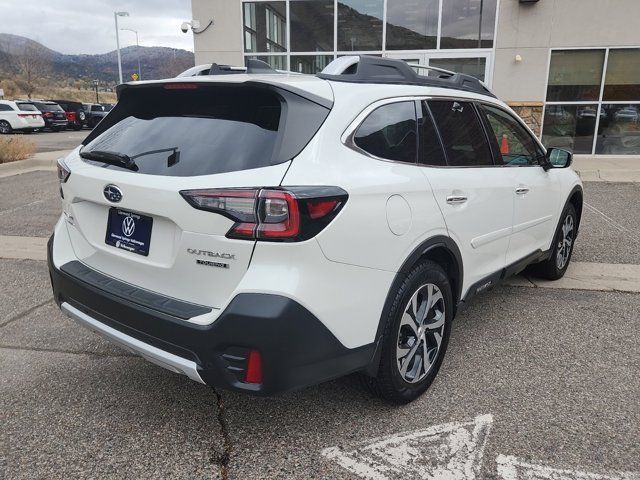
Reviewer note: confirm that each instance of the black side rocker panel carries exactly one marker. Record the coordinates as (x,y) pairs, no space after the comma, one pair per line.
(297,349)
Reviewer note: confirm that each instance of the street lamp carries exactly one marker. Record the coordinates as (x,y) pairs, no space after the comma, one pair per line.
(137,49)
(116,15)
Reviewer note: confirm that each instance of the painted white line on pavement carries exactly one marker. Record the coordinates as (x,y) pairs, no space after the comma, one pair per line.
(23,248)
(590,276)
(512,468)
(607,218)
(451,451)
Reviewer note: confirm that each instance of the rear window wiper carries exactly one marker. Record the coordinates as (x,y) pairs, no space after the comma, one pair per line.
(111,158)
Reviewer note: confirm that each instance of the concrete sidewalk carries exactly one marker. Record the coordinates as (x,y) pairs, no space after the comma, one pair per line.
(607,168)
(39,161)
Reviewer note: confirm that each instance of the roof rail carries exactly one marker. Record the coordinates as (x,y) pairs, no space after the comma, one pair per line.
(367,69)
(253,66)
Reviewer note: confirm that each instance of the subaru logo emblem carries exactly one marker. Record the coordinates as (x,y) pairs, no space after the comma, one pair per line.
(112,193)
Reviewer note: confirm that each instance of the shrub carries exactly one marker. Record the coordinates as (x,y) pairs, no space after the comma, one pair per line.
(14,148)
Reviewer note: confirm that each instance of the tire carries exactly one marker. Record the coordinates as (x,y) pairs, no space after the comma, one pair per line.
(77,126)
(55,129)
(5,127)
(563,242)
(401,380)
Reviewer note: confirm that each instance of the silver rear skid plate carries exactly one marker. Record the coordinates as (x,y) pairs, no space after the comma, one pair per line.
(148,352)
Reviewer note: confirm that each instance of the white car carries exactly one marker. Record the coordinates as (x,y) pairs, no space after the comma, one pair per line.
(265,232)
(19,116)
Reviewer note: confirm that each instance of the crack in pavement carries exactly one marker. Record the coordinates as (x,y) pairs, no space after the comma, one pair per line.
(222,459)
(25,313)
(72,352)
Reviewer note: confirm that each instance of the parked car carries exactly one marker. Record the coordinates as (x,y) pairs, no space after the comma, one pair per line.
(74,112)
(107,106)
(267,232)
(626,115)
(54,116)
(19,116)
(94,113)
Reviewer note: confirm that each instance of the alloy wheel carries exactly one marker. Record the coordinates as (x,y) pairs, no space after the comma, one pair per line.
(565,242)
(5,128)
(420,333)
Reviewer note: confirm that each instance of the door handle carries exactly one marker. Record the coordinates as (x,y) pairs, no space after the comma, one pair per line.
(522,190)
(456,199)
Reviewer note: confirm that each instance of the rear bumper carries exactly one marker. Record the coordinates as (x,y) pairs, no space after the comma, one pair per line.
(297,349)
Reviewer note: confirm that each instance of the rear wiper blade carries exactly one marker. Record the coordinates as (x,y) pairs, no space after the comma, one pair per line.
(111,158)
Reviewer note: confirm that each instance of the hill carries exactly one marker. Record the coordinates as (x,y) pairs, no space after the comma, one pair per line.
(156,62)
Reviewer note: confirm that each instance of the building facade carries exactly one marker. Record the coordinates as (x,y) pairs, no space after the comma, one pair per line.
(570,68)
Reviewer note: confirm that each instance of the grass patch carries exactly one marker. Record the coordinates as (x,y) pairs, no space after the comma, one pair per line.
(15,148)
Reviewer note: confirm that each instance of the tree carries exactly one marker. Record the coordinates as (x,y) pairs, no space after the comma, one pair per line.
(32,63)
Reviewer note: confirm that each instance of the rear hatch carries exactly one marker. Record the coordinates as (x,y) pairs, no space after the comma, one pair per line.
(130,221)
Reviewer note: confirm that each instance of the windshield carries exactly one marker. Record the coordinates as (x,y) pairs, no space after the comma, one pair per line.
(204,131)
(27,107)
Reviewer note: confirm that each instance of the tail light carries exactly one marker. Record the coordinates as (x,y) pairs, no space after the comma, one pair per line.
(47,114)
(63,171)
(272,214)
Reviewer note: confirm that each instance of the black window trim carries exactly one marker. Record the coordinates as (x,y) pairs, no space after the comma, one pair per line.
(349,133)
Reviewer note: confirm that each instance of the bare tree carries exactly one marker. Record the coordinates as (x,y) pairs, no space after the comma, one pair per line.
(32,63)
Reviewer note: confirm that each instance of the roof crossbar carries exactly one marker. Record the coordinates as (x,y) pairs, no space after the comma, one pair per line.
(368,69)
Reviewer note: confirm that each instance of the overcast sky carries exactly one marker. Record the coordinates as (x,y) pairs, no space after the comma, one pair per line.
(87,26)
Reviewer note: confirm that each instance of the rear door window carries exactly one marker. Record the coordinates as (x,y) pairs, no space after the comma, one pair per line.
(431,152)
(462,134)
(390,132)
(207,129)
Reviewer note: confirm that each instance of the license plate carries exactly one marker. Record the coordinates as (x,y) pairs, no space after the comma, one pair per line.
(129,231)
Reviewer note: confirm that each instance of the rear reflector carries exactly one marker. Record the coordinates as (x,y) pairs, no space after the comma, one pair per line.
(180,86)
(274,214)
(253,372)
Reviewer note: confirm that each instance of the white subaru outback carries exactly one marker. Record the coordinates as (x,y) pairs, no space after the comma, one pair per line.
(263,231)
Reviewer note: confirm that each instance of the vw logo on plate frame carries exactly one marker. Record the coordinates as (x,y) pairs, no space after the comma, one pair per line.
(112,193)
(128,226)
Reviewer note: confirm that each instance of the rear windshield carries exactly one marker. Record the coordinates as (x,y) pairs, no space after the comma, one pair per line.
(27,107)
(45,107)
(207,130)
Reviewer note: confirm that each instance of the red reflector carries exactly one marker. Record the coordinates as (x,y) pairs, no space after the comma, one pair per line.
(320,208)
(254,368)
(180,86)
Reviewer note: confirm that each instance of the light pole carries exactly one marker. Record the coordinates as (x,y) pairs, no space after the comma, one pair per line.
(137,49)
(95,84)
(116,15)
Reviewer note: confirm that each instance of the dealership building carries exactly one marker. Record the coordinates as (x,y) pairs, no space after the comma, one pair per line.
(570,68)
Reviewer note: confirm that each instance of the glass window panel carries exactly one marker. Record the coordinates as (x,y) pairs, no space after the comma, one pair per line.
(265,26)
(462,134)
(360,25)
(623,75)
(311,25)
(516,145)
(431,152)
(470,66)
(575,75)
(279,62)
(468,23)
(390,132)
(570,126)
(619,130)
(412,24)
(311,64)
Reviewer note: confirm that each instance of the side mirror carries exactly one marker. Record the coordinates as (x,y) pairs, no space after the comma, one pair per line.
(557,158)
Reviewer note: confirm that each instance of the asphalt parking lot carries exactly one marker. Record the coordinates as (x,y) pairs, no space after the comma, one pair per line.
(536,384)
(54,141)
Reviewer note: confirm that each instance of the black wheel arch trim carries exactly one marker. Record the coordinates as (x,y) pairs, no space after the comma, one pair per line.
(574,190)
(430,245)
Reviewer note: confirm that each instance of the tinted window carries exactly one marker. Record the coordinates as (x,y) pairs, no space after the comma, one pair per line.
(575,75)
(5,108)
(48,107)
(431,152)
(360,24)
(412,24)
(27,107)
(464,140)
(311,25)
(212,129)
(515,144)
(390,132)
(97,108)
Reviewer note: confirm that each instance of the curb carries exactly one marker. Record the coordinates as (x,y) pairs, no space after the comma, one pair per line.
(39,161)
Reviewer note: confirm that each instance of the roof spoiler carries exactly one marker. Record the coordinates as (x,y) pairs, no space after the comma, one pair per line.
(367,69)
